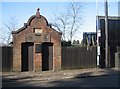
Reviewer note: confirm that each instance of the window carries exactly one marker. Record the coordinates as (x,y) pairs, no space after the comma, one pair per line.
(38,31)
(38,48)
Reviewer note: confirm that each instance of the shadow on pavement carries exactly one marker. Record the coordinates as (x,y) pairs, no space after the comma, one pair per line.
(86,80)
(105,72)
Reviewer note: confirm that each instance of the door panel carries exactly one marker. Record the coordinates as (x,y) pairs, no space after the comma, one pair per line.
(24,57)
(27,57)
(47,56)
(50,57)
(30,57)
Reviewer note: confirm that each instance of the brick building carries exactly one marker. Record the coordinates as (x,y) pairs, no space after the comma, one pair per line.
(36,46)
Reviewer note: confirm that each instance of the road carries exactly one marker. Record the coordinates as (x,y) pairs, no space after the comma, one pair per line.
(99,81)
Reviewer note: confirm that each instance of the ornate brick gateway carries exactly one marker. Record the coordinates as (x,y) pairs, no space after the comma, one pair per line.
(36,46)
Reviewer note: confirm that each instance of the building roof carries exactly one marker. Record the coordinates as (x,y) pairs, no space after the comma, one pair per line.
(109,17)
(29,21)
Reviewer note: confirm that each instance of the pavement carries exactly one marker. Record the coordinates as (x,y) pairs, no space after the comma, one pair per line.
(57,75)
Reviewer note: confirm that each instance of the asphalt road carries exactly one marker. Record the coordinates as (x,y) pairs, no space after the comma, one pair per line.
(99,81)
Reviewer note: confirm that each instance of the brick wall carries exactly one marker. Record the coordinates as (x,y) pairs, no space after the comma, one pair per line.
(22,34)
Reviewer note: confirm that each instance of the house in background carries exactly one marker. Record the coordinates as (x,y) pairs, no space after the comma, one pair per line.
(89,38)
(113,39)
(36,46)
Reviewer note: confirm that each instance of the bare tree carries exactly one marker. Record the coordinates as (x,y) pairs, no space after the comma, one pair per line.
(69,21)
(61,22)
(7,28)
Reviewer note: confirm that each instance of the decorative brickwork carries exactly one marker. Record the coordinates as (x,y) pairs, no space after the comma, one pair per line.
(36,31)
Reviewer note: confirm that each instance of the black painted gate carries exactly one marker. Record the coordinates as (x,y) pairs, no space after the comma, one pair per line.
(27,56)
(47,56)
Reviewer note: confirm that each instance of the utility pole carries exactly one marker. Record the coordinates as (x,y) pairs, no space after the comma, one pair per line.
(106,34)
(98,46)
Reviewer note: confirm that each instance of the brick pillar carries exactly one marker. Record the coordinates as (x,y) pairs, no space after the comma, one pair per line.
(38,62)
(57,57)
(17,58)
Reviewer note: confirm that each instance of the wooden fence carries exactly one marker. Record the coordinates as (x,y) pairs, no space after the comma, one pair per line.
(79,57)
(7,58)
(72,58)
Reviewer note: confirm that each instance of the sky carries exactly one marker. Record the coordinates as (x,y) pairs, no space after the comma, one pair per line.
(22,11)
